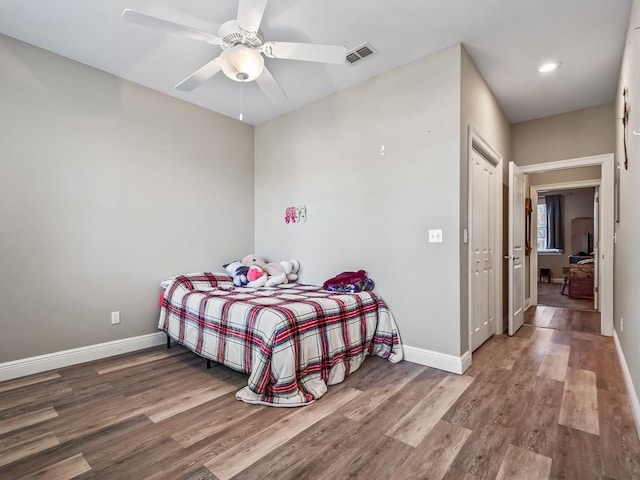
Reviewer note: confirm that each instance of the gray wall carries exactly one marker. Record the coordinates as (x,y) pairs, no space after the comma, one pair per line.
(107,188)
(564,176)
(627,260)
(480,110)
(577,203)
(581,133)
(371,211)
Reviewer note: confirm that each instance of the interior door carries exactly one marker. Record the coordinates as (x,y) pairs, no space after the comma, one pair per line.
(482,249)
(516,248)
(596,247)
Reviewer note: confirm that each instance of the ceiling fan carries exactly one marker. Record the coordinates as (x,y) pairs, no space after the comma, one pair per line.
(242,48)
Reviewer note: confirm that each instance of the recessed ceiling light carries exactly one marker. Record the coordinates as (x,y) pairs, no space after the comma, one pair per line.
(548,67)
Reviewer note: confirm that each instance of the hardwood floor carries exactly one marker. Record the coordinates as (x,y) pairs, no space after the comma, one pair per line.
(542,404)
(560,318)
(549,294)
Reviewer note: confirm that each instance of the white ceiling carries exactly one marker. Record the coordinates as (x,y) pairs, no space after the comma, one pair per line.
(507,39)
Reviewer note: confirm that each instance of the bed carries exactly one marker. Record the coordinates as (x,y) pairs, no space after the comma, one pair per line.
(579,276)
(293,340)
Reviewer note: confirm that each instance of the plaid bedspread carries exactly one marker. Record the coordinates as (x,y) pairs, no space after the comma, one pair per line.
(293,340)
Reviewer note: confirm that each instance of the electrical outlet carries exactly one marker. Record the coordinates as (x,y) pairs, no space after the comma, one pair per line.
(115,318)
(621,324)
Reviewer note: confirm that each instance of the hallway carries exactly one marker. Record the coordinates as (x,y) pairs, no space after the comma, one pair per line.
(557,318)
(575,409)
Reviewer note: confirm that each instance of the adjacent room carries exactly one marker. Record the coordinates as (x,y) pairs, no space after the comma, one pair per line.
(559,249)
(412,224)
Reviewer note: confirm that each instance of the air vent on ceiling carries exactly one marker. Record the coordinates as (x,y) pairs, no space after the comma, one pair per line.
(361,52)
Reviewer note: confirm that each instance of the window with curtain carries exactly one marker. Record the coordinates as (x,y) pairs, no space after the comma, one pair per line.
(542,227)
(549,227)
(550,224)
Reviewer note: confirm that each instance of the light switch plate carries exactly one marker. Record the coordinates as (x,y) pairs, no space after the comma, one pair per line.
(435,236)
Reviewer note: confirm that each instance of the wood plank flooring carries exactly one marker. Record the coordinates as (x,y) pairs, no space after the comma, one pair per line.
(544,404)
(549,295)
(587,321)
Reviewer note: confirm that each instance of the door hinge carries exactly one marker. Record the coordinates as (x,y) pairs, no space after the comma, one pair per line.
(596,289)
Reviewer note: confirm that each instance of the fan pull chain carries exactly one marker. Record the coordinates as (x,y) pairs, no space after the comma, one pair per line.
(243,78)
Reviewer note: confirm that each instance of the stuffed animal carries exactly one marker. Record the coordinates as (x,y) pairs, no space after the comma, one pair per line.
(239,273)
(275,271)
(253,259)
(291,268)
(278,273)
(257,277)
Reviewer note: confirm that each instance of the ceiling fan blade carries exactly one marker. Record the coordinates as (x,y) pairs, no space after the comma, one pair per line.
(250,14)
(270,87)
(310,52)
(145,20)
(202,75)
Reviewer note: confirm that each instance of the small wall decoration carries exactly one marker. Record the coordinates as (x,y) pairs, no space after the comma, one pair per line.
(295,214)
(290,215)
(625,126)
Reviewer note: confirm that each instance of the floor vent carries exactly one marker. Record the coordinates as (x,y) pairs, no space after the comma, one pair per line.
(360,53)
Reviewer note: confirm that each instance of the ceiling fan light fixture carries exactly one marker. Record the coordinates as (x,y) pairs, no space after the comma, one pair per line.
(241,63)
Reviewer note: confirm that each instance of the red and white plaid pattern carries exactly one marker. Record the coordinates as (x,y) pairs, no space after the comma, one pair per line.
(293,340)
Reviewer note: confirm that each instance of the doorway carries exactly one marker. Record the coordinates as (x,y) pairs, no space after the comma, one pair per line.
(603,277)
(553,269)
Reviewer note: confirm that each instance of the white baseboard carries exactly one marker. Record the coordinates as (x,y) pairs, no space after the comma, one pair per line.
(441,361)
(65,358)
(628,381)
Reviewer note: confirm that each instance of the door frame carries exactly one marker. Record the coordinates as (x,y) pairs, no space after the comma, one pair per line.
(607,220)
(477,142)
(533,263)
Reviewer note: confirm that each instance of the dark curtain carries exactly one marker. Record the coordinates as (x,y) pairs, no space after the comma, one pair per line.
(555,237)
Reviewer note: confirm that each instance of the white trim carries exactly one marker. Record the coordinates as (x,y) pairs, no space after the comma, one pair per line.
(65,358)
(606,223)
(567,185)
(565,164)
(441,361)
(628,381)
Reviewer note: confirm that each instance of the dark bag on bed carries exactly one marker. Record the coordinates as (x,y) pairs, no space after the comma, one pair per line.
(349,282)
